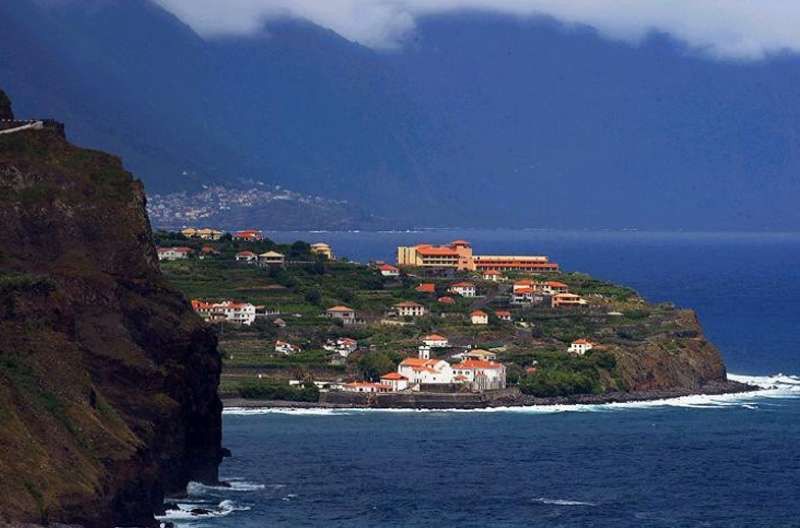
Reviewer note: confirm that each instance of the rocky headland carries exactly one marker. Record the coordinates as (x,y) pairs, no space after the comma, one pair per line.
(108,380)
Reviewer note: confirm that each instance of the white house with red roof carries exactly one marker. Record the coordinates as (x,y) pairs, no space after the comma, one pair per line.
(479,317)
(365,386)
(524,284)
(435,341)
(387,270)
(522,296)
(174,253)
(395,380)
(426,371)
(580,347)
(480,374)
(344,346)
(503,315)
(464,289)
(246,256)
(231,311)
(286,348)
(552,287)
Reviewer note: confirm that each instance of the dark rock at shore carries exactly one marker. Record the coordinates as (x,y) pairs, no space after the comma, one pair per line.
(108,379)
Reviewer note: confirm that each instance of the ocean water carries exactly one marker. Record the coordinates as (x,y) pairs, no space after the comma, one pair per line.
(723,461)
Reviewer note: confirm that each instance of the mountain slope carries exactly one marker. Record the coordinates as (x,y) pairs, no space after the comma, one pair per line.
(107,378)
(480,120)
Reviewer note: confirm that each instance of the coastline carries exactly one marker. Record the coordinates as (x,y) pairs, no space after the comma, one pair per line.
(513,398)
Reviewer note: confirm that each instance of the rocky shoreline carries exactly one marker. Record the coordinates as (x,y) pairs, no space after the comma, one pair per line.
(510,398)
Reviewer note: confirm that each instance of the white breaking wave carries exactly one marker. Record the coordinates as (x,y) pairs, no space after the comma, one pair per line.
(204,511)
(563,502)
(778,386)
(198,489)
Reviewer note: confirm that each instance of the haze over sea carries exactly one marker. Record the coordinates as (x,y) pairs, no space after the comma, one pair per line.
(725,461)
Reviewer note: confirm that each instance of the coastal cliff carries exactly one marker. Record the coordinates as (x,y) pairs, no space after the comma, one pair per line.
(108,380)
(679,358)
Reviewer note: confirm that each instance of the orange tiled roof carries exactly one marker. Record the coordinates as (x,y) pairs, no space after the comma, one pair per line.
(393,376)
(340,308)
(426,287)
(477,364)
(434,337)
(478,313)
(446,300)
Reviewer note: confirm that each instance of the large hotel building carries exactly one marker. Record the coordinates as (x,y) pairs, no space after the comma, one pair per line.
(458,254)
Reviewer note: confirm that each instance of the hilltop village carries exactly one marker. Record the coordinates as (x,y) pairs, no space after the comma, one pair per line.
(298,323)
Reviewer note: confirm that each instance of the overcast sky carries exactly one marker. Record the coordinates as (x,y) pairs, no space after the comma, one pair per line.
(739,29)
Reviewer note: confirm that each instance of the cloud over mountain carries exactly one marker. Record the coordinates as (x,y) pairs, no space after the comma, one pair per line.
(737,29)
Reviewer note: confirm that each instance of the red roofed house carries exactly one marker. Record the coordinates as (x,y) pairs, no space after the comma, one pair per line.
(410,309)
(480,374)
(426,287)
(426,371)
(524,284)
(365,386)
(387,270)
(174,253)
(395,381)
(248,235)
(479,317)
(435,341)
(554,287)
(246,256)
(446,300)
(580,347)
(464,289)
(503,315)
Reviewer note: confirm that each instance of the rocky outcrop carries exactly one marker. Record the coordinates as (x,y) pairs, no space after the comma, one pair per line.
(5,106)
(681,358)
(107,378)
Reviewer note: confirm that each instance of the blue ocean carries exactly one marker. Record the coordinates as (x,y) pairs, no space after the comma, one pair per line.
(701,461)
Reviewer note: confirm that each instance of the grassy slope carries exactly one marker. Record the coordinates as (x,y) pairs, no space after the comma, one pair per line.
(250,350)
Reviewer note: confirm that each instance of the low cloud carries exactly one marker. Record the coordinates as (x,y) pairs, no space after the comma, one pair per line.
(737,29)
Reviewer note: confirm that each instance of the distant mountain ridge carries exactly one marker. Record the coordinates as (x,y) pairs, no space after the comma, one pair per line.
(480,120)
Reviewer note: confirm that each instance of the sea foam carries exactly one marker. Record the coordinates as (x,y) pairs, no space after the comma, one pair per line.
(770,387)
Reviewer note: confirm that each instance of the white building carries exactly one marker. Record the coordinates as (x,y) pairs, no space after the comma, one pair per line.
(503,315)
(480,375)
(435,341)
(464,289)
(395,380)
(410,309)
(344,346)
(387,270)
(580,347)
(246,256)
(365,386)
(479,317)
(272,259)
(492,275)
(426,371)
(551,287)
(343,313)
(523,285)
(231,311)
(522,296)
(174,253)
(287,349)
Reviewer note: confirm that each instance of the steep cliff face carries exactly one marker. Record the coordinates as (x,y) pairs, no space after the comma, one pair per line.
(107,379)
(679,358)
(5,106)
